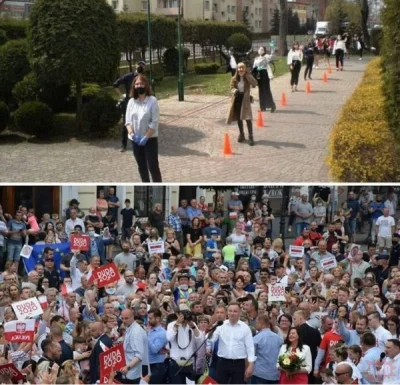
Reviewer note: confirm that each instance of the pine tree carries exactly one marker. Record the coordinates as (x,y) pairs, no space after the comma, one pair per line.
(275,22)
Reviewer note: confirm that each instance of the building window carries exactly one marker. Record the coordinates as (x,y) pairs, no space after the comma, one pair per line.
(207,5)
(115,4)
(223,14)
(228,8)
(215,7)
(146,197)
(233,8)
(144,4)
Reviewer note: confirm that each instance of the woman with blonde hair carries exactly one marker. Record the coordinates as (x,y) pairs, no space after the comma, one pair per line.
(11,269)
(171,243)
(240,108)
(277,245)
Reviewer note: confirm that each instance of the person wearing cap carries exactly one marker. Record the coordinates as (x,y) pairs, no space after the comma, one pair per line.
(184,338)
(183,290)
(382,270)
(126,81)
(212,244)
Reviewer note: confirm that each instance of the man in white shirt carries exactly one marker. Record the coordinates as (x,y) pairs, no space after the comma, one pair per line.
(389,368)
(281,276)
(184,338)
(384,227)
(78,269)
(73,221)
(381,334)
(235,346)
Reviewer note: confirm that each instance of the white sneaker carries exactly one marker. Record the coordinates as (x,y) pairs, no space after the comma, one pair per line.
(360,58)
(316,67)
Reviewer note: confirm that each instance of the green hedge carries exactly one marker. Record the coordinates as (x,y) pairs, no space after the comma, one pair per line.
(34,118)
(3,37)
(14,29)
(4,116)
(206,68)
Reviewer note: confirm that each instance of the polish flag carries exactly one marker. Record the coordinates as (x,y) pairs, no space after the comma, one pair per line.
(43,302)
(65,289)
(209,380)
(104,348)
(20,331)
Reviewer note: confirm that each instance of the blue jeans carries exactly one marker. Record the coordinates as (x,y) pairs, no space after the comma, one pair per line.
(352,225)
(13,251)
(300,227)
(259,380)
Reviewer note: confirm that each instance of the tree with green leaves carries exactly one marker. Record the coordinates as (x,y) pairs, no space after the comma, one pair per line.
(74,41)
(245,20)
(275,22)
(283,27)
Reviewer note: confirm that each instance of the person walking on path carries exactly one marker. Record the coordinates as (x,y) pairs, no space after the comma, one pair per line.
(309,54)
(327,51)
(142,117)
(263,73)
(231,64)
(339,50)
(240,108)
(294,59)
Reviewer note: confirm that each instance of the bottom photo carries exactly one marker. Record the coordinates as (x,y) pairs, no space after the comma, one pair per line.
(199,284)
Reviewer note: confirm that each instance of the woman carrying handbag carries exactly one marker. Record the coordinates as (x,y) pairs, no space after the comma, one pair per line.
(240,108)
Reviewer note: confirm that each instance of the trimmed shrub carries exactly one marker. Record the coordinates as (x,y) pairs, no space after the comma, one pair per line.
(100,115)
(377,40)
(27,90)
(89,92)
(362,147)
(4,116)
(14,29)
(14,65)
(206,68)
(3,37)
(171,61)
(34,118)
(239,42)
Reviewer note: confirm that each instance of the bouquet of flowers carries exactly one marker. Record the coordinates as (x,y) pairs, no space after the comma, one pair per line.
(290,362)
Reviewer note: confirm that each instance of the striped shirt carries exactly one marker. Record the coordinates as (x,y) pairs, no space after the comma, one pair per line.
(175,222)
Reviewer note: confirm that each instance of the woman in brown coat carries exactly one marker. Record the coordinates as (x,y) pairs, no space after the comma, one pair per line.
(240,104)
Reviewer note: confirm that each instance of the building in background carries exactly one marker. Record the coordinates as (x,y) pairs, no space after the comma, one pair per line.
(16,9)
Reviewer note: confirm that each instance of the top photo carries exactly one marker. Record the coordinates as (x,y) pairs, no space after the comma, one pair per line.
(199,91)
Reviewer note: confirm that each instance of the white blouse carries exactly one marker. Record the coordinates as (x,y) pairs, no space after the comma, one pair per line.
(305,353)
(294,55)
(241,85)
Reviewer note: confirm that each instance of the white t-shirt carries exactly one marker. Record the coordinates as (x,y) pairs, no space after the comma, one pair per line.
(3,227)
(385,225)
(382,335)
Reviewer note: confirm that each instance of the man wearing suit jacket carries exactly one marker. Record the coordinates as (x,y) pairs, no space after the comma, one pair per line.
(311,337)
(102,341)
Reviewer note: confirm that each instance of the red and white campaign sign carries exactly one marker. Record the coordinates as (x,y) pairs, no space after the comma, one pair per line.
(296,251)
(276,293)
(20,331)
(11,371)
(66,289)
(105,275)
(328,263)
(156,247)
(80,242)
(27,308)
(112,360)
(43,302)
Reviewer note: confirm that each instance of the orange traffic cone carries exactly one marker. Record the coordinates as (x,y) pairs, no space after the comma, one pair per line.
(329,69)
(227,149)
(308,88)
(325,78)
(283,100)
(260,120)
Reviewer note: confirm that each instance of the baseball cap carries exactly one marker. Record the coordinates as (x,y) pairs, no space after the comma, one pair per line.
(183,307)
(214,232)
(74,202)
(382,256)
(235,193)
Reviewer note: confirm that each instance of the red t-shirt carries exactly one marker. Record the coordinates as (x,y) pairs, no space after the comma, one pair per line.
(299,241)
(330,339)
(315,236)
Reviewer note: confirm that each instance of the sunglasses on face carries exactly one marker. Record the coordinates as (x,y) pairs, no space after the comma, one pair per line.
(49,260)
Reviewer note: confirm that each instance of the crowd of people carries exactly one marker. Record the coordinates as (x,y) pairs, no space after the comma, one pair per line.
(206,303)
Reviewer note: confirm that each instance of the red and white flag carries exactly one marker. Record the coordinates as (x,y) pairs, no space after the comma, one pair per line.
(43,302)
(66,289)
(20,331)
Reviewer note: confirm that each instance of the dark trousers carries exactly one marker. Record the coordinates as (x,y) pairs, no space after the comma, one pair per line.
(309,66)
(339,58)
(180,378)
(360,52)
(126,381)
(147,160)
(259,380)
(124,131)
(157,373)
(230,371)
(294,81)
(237,109)
(126,233)
(264,91)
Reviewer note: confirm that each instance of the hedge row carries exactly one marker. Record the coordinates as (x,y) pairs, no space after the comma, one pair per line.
(362,145)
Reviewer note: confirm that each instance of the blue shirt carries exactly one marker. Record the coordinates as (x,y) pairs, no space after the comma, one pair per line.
(157,340)
(114,210)
(367,365)
(175,222)
(376,205)
(212,245)
(207,231)
(350,337)
(267,345)
(355,206)
(254,263)
(191,213)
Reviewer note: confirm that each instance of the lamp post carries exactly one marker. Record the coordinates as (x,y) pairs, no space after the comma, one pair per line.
(149,44)
(180,79)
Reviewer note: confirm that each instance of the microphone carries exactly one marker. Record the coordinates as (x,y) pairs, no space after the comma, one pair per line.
(383,355)
(219,323)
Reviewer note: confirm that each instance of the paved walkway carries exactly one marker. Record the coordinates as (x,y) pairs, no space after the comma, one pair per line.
(292,146)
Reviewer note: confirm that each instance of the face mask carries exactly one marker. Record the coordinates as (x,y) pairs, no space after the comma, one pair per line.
(110,291)
(125,250)
(140,69)
(395,243)
(140,90)
(147,231)
(253,198)
(195,264)
(319,204)
(91,233)
(184,287)
(116,304)
(258,252)
(241,219)
(62,328)
(334,252)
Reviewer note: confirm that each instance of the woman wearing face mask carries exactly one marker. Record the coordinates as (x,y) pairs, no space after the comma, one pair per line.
(142,117)
(339,49)
(240,108)
(294,59)
(263,73)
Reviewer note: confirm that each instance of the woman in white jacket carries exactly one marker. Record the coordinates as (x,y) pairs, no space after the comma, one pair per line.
(294,59)
(339,49)
(294,344)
